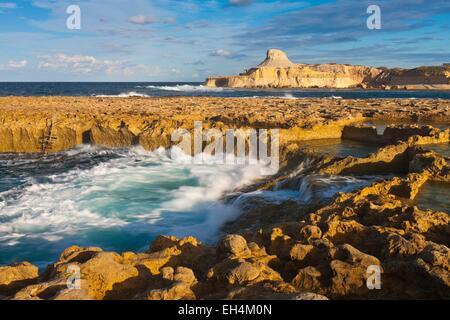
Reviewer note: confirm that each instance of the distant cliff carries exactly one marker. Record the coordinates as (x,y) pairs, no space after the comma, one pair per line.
(277,71)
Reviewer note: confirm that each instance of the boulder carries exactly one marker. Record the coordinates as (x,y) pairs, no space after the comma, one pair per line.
(176,285)
(235,245)
(17,276)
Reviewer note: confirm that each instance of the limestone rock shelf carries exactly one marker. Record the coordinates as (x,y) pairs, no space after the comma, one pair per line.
(53,124)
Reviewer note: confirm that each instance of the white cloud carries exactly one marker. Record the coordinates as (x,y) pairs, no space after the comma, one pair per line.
(142,20)
(83,64)
(74,63)
(221,53)
(14,65)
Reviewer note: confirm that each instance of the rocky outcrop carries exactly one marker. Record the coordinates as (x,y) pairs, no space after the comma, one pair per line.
(16,277)
(277,71)
(435,77)
(393,133)
(51,124)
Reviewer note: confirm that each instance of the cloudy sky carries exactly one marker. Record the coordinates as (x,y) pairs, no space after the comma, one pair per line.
(187,40)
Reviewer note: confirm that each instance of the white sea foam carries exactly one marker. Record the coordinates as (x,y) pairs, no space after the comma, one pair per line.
(285,96)
(139,187)
(288,95)
(318,188)
(123,95)
(312,188)
(186,88)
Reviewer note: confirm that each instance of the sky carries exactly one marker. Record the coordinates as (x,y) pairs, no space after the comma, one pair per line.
(189,40)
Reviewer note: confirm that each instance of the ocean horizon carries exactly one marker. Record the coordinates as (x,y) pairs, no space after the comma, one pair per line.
(198,89)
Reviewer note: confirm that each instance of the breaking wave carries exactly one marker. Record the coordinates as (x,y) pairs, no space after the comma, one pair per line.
(186,88)
(123,95)
(119,202)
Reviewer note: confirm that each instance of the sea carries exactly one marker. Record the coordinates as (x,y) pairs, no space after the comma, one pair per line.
(194,89)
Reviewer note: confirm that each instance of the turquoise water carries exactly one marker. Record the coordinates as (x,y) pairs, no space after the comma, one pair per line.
(434,196)
(341,147)
(115,199)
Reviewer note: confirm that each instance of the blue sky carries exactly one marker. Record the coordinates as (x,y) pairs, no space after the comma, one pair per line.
(188,40)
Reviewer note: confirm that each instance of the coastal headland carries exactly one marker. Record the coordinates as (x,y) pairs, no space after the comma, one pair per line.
(277,71)
(314,249)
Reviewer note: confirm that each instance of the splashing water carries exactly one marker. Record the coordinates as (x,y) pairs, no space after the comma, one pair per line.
(116,199)
(121,199)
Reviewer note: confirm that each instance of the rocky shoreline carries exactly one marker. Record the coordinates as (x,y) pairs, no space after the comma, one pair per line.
(51,124)
(287,250)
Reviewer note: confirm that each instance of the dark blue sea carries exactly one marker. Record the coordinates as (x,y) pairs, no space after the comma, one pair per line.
(162,89)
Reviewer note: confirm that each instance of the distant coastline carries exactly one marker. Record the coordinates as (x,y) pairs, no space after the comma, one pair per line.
(277,71)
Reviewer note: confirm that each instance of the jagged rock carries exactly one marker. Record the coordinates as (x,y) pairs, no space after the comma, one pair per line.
(105,276)
(72,294)
(240,271)
(311,232)
(178,285)
(308,279)
(309,296)
(172,251)
(17,276)
(269,290)
(300,251)
(234,245)
(434,264)
(399,246)
(244,272)
(350,271)
(73,254)
(178,291)
(280,244)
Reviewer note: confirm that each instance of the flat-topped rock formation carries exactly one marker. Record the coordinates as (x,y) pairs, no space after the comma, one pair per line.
(277,71)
